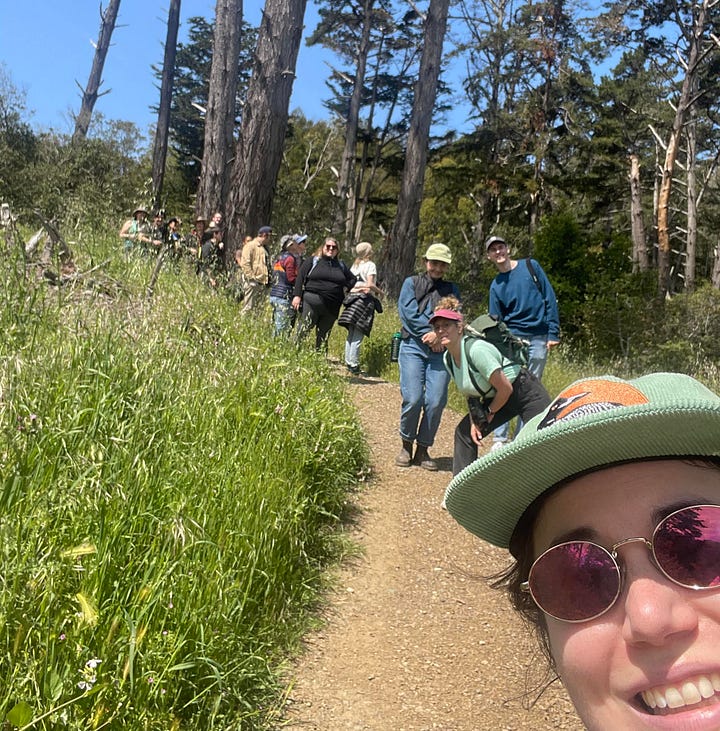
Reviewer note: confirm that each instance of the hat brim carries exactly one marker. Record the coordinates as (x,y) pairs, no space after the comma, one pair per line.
(681,418)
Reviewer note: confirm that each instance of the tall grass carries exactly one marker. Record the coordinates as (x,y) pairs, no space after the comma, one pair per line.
(169,478)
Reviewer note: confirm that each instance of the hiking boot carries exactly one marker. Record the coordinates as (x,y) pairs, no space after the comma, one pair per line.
(424,460)
(404,457)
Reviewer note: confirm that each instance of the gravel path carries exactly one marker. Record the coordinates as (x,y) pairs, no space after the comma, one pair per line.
(413,639)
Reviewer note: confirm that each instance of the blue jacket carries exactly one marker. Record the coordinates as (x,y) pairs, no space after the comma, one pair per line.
(415,315)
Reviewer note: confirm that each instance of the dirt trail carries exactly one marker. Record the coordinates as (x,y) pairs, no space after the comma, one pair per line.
(413,638)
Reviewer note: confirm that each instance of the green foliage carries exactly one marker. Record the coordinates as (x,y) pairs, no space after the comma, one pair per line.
(168,483)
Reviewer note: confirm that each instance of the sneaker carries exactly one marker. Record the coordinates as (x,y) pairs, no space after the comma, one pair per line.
(496,446)
(353,370)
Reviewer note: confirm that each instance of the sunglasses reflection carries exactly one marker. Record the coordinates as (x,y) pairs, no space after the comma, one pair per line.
(578,581)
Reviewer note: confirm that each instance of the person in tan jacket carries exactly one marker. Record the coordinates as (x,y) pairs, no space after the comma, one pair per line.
(254,264)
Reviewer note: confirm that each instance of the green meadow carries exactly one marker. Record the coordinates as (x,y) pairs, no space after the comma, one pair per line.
(172,485)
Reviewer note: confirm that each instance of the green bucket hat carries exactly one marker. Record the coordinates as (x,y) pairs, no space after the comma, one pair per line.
(438,252)
(593,423)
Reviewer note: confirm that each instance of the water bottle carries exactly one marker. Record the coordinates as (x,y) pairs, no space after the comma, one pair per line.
(395,347)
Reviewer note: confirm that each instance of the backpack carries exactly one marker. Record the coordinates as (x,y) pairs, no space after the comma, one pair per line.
(514,350)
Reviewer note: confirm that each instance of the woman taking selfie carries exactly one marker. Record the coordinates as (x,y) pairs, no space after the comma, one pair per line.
(609,502)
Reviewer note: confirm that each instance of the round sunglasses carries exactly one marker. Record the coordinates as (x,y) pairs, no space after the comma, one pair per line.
(579,580)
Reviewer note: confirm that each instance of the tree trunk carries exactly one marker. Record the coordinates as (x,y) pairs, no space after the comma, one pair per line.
(166,91)
(691,163)
(398,259)
(347,197)
(262,134)
(220,116)
(637,222)
(681,111)
(91,93)
(716,267)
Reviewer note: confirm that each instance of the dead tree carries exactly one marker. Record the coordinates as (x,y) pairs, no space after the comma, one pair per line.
(162,129)
(220,117)
(91,93)
(399,253)
(637,222)
(259,150)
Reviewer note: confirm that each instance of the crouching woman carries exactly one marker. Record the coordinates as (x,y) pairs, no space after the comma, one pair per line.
(496,390)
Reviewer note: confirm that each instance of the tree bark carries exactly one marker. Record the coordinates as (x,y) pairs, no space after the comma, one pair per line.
(637,222)
(681,111)
(258,153)
(692,199)
(220,116)
(91,94)
(398,259)
(162,129)
(347,196)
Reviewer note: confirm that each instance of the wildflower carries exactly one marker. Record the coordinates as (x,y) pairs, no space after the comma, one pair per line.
(89,677)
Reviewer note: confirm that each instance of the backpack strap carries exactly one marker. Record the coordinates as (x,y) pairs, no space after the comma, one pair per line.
(473,380)
(533,274)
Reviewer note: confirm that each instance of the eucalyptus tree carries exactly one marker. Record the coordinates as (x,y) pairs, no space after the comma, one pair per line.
(378,45)
(220,115)
(258,153)
(193,66)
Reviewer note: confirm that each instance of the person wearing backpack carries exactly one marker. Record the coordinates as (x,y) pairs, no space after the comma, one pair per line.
(320,288)
(497,388)
(523,298)
(285,269)
(423,378)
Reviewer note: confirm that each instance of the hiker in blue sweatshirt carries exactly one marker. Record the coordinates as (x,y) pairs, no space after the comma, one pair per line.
(523,298)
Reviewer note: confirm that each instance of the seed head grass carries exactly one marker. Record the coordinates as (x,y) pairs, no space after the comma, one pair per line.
(172,482)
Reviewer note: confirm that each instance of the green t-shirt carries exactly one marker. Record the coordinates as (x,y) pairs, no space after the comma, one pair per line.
(486,359)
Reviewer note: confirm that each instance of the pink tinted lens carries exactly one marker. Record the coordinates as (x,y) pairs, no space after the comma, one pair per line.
(686,546)
(575,581)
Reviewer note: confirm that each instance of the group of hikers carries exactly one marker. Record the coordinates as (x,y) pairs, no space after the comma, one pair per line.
(305,292)
(435,348)
(624,594)
(313,292)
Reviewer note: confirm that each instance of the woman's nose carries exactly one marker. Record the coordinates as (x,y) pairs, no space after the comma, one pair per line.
(656,610)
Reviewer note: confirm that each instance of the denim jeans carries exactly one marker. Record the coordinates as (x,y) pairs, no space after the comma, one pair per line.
(536,364)
(352,346)
(283,315)
(424,388)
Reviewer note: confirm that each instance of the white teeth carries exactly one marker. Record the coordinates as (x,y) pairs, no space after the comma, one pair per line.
(674,698)
(706,687)
(688,694)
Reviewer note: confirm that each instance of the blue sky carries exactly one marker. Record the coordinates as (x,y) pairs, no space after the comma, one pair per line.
(46,48)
